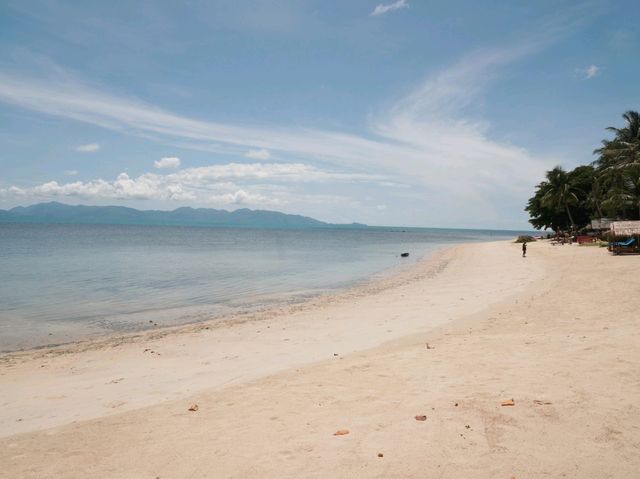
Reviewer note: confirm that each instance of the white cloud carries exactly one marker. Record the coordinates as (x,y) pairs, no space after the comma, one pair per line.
(90,148)
(13,191)
(281,172)
(426,139)
(71,172)
(382,8)
(241,197)
(591,71)
(261,154)
(399,147)
(215,184)
(142,188)
(452,152)
(167,162)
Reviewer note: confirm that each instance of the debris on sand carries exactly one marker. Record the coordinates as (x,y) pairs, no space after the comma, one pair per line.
(193,407)
(541,403)
(421,417)
(508,402)
(341,432)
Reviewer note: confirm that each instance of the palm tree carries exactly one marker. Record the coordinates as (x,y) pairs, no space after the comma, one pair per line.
(627,194)
(624,150)
(560,192)
(595,195)
(618,163)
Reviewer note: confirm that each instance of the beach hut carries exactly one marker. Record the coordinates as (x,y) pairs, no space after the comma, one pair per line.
(625,228)
(601,224)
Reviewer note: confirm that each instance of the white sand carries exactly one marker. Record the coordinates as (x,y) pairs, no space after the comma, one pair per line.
(560,327)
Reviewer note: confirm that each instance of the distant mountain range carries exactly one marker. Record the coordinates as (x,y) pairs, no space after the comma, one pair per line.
(55,212)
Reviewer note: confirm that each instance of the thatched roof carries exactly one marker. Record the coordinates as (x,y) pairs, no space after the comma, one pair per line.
(625,228)
(601,224)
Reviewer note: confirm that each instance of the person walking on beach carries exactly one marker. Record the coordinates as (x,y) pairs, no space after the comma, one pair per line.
(524,249)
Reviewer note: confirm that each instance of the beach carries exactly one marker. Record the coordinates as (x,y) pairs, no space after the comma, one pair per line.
(262,394)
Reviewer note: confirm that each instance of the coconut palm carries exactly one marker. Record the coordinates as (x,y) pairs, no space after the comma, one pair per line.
(623,151)
(594,197)
(611,186)
(559,192)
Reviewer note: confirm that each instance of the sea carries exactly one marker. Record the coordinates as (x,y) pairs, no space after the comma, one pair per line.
(64,283)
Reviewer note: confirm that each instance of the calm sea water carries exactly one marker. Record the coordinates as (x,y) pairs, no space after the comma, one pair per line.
(61,283)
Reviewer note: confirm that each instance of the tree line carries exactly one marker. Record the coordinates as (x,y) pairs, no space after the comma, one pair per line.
(609,187)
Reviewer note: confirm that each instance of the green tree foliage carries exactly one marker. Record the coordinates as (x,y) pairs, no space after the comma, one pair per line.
(609,187)
(623,151)
(561,201)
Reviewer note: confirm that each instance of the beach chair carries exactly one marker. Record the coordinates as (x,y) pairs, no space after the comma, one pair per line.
(621,247)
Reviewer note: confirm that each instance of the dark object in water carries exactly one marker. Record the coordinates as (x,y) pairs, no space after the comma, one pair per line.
(404,255)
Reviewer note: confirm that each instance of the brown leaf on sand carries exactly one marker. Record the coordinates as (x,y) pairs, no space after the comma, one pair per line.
(541,403)
(193,407)
(508,402)
(341,432)
(421,418)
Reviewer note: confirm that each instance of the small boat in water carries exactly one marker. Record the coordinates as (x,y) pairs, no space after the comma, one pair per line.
(404,255)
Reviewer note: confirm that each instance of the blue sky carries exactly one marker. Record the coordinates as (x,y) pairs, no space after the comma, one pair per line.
(416,113)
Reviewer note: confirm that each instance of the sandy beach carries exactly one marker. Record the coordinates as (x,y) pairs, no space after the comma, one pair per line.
(451,338)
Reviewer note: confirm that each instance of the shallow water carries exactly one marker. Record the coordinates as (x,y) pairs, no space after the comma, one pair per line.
(61,283)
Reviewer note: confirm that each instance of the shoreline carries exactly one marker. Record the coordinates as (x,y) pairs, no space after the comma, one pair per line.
(379,281)
(544,331)
(163,365)
(259,305)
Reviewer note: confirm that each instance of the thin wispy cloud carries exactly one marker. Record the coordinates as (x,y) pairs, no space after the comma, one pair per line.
(433,134)
(89,148)
(167,162)
(381,9)
(261,154)
(400,133)
(622,40)
(425,138)
(71,173)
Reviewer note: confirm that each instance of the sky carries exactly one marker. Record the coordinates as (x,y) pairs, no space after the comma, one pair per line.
(392,112)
